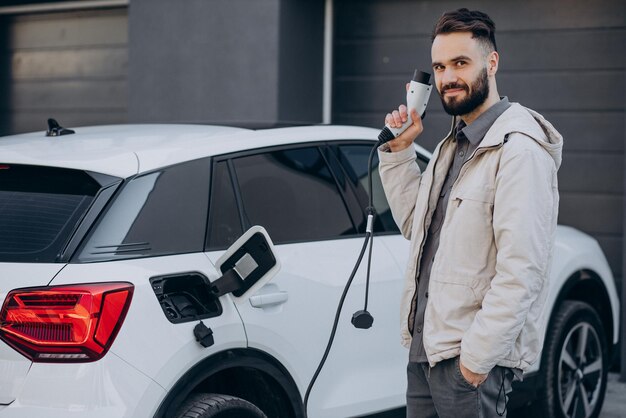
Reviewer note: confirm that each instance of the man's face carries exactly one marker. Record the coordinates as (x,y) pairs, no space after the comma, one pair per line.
(460,68)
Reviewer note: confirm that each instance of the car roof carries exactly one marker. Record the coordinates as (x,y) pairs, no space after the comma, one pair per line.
(126,150)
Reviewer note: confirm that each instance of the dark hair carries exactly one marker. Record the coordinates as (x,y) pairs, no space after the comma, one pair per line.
(462,20)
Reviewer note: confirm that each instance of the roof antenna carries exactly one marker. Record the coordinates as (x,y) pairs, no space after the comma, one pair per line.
(54,129)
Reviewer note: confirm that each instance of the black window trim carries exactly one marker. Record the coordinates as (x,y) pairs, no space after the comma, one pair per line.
(85,225)
(322,145)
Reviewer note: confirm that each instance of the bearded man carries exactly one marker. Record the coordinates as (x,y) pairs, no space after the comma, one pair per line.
(481,220)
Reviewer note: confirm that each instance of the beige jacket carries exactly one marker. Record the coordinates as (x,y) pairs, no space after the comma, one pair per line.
(488,283)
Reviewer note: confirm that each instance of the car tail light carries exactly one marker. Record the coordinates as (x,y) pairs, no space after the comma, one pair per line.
(73,323)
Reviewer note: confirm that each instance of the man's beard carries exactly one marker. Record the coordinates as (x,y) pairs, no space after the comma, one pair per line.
(479,92)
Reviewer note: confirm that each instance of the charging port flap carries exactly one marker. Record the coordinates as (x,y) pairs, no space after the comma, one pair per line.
(247,265)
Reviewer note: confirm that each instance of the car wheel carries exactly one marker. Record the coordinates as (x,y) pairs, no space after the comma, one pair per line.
(205,405)
(576,363)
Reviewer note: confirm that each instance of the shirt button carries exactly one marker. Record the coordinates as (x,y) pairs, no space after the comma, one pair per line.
(419,329)
(426,294)
(462,153)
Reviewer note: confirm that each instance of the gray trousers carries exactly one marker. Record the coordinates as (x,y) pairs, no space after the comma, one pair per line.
(443,392)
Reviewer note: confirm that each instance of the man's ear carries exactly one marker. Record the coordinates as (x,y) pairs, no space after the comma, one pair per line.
(492,63)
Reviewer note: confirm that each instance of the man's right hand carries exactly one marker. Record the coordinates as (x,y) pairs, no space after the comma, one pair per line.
(406,138)
(396,119)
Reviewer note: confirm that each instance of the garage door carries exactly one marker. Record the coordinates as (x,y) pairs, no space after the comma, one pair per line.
(71,66)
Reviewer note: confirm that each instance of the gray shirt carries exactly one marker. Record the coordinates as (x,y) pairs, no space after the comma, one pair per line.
(467,139)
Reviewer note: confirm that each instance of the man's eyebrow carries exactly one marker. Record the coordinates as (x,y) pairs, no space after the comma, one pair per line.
(455,59)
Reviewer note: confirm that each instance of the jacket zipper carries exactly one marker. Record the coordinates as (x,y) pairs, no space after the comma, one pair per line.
(419,253)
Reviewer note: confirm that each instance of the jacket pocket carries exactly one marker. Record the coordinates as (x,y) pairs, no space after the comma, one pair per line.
(467,238)
(475,194)
(452,306)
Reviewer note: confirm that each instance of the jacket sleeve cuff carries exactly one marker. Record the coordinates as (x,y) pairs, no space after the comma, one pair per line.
(474,366)
(385,156)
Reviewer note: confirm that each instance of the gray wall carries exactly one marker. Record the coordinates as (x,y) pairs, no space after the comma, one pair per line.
(70,66)
(236,62)
(563,58)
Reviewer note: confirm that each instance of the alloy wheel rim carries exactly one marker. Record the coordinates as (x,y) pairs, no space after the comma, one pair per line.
(580,371)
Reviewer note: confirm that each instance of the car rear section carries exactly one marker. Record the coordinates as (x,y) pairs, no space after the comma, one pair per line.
(54,339)
(103,281)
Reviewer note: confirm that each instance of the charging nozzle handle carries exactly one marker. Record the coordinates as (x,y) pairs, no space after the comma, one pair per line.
(416,98)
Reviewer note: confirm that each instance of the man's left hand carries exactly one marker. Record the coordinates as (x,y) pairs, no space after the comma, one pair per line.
(474,379)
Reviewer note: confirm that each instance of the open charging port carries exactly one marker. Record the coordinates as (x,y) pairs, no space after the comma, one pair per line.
(186,297)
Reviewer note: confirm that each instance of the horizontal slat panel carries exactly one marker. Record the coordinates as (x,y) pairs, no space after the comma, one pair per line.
(71,63)
(374,18)
(37,120)
(590,131)
(68,65)
(54,30)
(592,90)
(592,213)
(568,50)
(55,95)
(594,173)
(563,50)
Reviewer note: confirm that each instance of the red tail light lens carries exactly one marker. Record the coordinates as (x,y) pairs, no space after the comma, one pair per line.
(76,323)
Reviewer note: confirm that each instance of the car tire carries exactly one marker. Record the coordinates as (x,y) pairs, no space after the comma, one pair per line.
(209,405)
(575,368)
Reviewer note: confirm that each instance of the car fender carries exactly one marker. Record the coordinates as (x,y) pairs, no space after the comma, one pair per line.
(574,252)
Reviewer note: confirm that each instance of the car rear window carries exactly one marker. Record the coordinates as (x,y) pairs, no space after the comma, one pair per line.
(39,209)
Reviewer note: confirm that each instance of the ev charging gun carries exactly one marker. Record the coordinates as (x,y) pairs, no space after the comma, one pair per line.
(416,98)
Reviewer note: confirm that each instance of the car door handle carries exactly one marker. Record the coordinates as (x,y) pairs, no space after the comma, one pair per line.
(268,299)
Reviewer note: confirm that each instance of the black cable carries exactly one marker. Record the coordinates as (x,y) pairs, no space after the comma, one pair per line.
(335,323)
(367,278)
(369,175)
(370,211)
(369,239)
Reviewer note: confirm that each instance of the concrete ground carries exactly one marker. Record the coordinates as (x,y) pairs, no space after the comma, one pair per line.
(615,401)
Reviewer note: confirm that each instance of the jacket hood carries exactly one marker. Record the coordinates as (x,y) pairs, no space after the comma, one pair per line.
(518,118)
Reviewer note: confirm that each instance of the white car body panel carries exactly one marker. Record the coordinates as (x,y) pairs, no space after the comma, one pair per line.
(175,348)
(296,331)
(575,251)
(107,388)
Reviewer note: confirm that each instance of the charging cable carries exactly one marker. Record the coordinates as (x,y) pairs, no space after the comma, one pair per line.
(417,96)
(361,319)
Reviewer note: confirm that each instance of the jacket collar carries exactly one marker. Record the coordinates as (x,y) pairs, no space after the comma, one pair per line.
(515,119)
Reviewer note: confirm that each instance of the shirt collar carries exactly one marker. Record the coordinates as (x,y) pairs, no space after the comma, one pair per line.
(476,131)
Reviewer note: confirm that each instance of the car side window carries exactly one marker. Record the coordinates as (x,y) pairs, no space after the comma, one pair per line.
(293,194)
(158,213)
(354,159)
(224,222)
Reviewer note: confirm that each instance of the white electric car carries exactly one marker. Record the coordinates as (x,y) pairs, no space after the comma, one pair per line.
(119,298)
